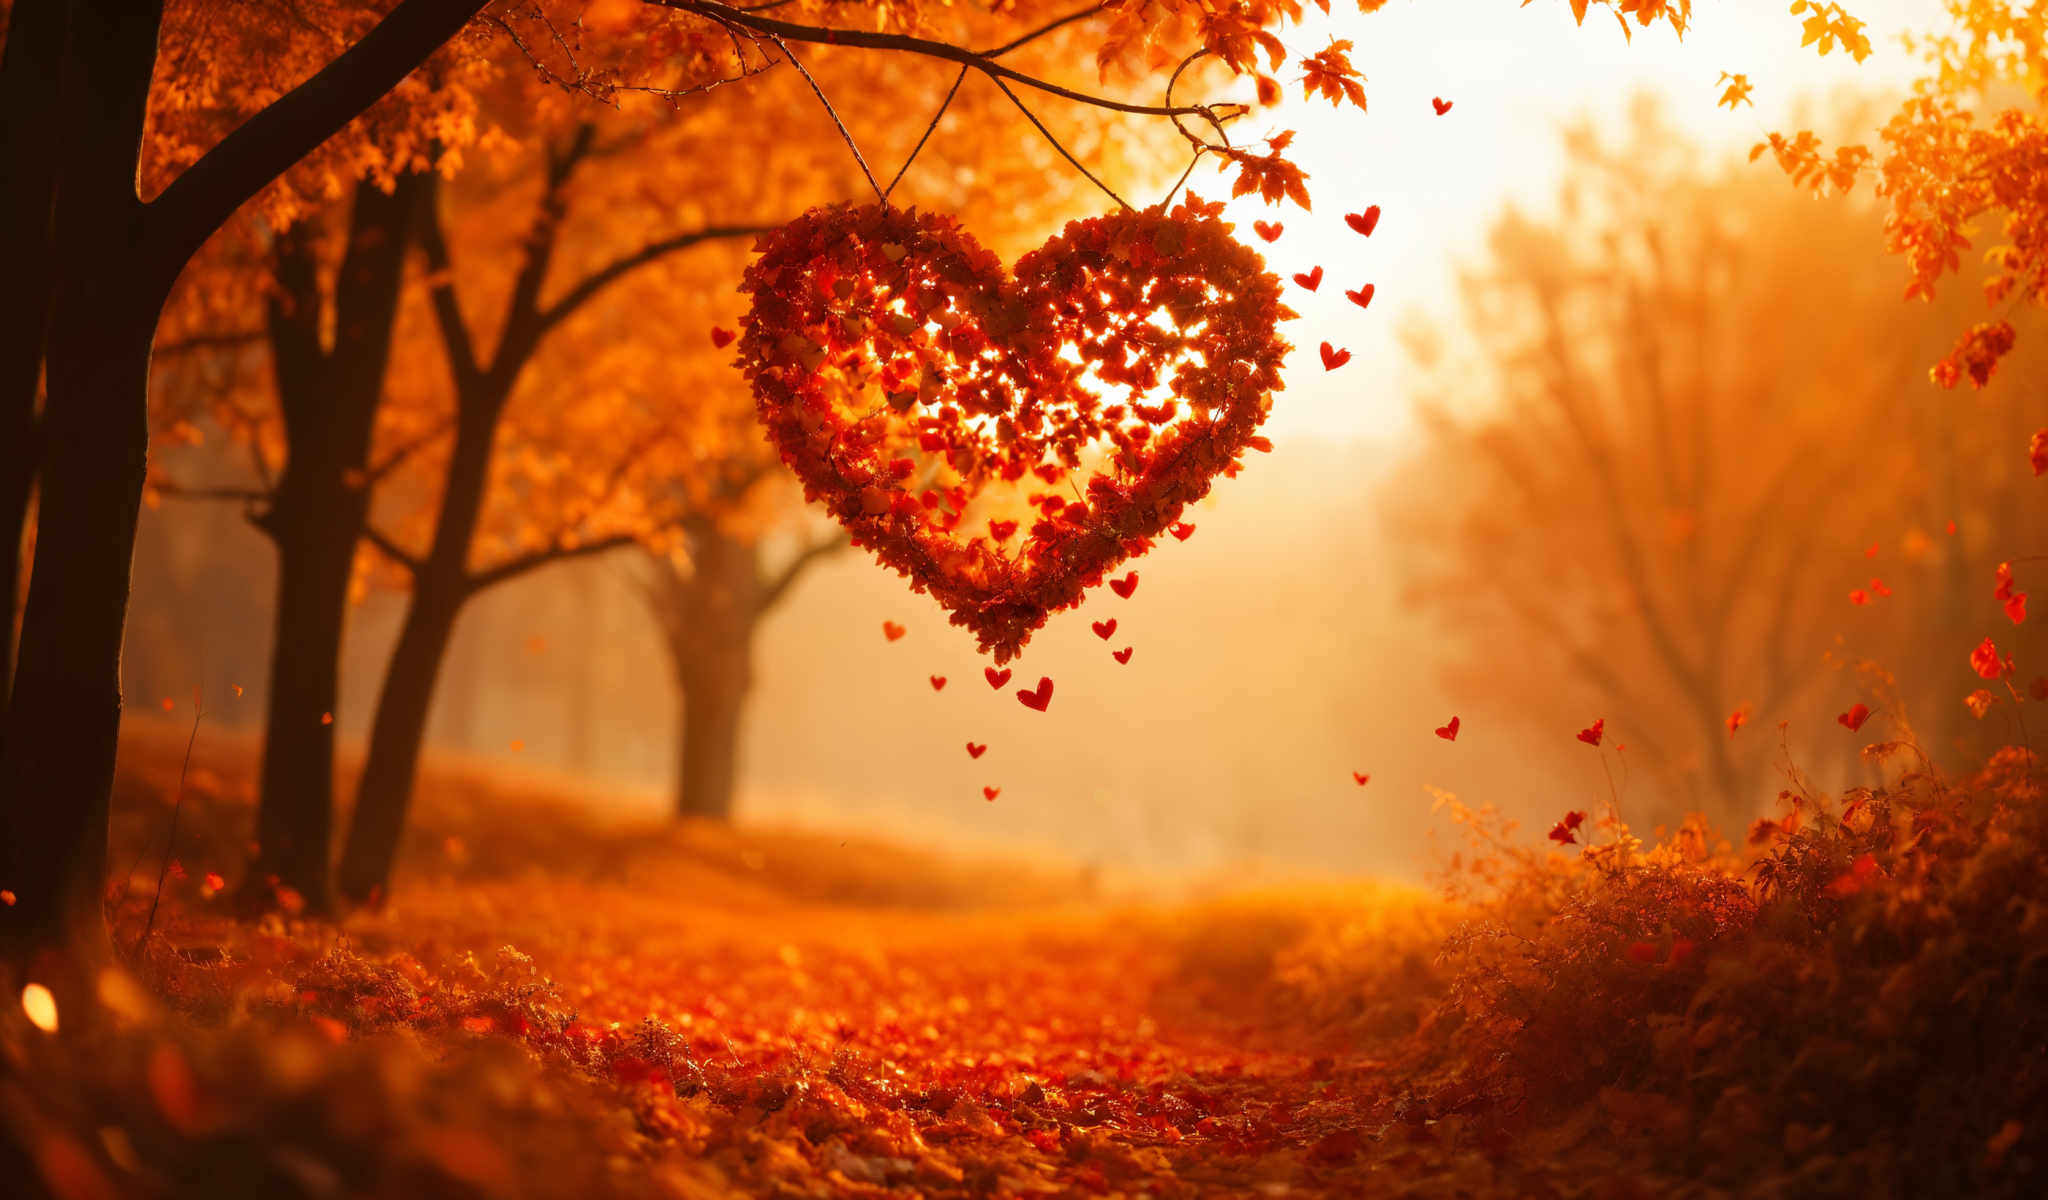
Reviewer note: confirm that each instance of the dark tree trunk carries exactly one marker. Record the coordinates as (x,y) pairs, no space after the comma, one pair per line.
(440,588)
(29,86)
(66,711)
(397,735)
(329,396)
(714,695)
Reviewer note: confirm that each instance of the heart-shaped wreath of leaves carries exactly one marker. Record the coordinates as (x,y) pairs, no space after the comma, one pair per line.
(943,410)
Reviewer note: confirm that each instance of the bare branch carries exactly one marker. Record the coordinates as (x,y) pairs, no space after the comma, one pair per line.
(844,133)
(823,547)
(404,451)
(610,273)
(455,340)
(391,550)
(1041,31)
(928,131)
(534,560)
(1064,152)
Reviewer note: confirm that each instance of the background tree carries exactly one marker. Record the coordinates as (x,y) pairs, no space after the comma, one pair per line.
(1673,498)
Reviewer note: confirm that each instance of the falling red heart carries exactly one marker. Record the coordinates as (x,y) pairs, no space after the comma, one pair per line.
(1310,279)
(891,355)
(996,679)
(1441,105)
(1333,357)
(1001,530)
(1853,719)
(1591,733)
(722,338)
(991,793)
(938,683)
(1123,655)
(1269,230)
(1125,586)
(892,630)
(1181,531)
(1105,629)
(976,750)
(1364,222)
(1448,732)
(1036,699)
(1362,297)
(1362,779)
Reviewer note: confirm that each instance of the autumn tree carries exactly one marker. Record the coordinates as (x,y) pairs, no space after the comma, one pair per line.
(708,597)
(113,257)
(1673,498)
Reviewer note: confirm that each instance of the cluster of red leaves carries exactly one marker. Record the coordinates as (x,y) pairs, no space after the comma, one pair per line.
(919,392)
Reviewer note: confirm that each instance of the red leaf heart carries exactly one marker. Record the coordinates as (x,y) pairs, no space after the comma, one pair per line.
(1123,655)
(722,338)
(1269,230)
(1362,297)
(1036,699)
(892,630)
(1448,732)
(1125,586)
(1362,779)
(938,683)
(996,679)
(891,356)
(1105,629)
(1001,530)
(1310,279)
(1181,531)
(1441,105)
(991,793)
(1591,733)
(976,750)
(1853,719)
(1333,357)
(1365,222)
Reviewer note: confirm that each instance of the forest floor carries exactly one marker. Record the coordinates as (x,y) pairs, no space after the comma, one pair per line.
(555,1006)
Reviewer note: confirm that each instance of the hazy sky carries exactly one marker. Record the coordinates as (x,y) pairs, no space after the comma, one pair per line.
(1514,74)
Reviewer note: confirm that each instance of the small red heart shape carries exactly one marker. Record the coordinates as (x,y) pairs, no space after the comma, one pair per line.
(1038,698)
(1362,297)
(1362,780)
(1181,531)
(1333,357)
(996,679)
(1853,719)
(1448,732)
(1365,222)
(892,630)
(1123,655)
(1269,230)
(1591,733)
(1125,586)
(1441,105)
(722,338)
(976,750)
(1105,629)
(1310,279)
(917,389)
(1001,530)
(991,793)
(938,683)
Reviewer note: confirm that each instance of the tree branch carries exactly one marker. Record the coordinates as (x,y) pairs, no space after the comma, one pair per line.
(391,550)
(514,568)
(610,273)
(194,343)
(822,548)
(201,199)
(983,61)
(455,340)
(183,492)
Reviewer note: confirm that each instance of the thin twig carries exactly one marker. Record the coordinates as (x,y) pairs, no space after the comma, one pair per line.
(1064,152)
(844,132)
(928,131)
(1044,29)
(171,843)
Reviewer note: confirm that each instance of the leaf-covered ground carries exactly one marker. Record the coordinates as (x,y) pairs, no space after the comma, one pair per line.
(553,1007)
